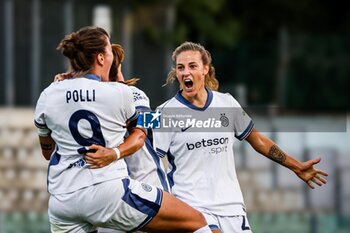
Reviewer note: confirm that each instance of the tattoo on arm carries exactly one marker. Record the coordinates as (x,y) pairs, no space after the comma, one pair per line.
(46,146)
(276,154)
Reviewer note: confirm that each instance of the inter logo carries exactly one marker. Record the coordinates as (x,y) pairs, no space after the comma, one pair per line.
(146,187)
(224,120)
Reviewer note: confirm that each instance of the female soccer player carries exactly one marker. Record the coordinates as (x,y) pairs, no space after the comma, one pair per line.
(75,113)
(144,165)
(201,161)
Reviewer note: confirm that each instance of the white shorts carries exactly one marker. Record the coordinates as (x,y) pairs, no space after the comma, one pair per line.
(120,204)
(106,230)
(228,224)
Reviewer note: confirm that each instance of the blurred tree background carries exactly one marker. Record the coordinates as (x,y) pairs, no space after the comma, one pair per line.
(287,53)
(290,54)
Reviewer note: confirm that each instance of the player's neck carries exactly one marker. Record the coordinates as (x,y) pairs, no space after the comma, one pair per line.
(199,99)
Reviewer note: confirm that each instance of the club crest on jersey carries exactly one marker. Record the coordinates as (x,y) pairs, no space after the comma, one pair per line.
(224,120)
(146,187)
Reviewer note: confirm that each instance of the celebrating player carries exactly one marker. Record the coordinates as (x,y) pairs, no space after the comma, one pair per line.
(144,165)
(201,164)
(75,113)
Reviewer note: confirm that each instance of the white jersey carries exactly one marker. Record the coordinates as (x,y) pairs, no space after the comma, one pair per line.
(145,165)
(74,112)
(201,163)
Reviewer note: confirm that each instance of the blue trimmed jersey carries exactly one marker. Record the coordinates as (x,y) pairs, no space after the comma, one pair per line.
(145,165)
(201,168)
(74,113)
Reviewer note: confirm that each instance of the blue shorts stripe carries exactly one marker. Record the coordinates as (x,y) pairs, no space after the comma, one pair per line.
(145,206)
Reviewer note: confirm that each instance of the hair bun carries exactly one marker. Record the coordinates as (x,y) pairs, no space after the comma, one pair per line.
(70,45)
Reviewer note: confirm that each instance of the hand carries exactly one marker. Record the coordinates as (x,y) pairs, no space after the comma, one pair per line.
(101,158)
(310,175)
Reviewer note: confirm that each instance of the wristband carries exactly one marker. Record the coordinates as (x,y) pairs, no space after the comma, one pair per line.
(117,151)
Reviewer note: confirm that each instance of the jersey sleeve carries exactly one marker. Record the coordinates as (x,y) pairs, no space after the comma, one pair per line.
(141,100)
(243,124)
(39,116)
(129,106)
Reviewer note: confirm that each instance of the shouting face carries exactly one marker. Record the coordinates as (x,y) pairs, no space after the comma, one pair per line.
(191,72)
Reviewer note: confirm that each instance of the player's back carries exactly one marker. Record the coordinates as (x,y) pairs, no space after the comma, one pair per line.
(80,112)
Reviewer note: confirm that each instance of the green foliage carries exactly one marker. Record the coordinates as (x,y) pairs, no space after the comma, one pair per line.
(206,20)
(319,72)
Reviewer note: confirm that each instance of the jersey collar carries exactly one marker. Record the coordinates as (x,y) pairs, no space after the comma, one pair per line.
(184,101)
(92,77)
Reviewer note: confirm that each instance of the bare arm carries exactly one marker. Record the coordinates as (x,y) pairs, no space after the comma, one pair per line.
(133,142)
(47,145)
(304,171)
(104,156)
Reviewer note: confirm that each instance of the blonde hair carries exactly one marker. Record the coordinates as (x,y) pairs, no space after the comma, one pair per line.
(210,80)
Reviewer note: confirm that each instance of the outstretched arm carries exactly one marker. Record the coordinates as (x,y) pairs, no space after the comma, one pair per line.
(304,170)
